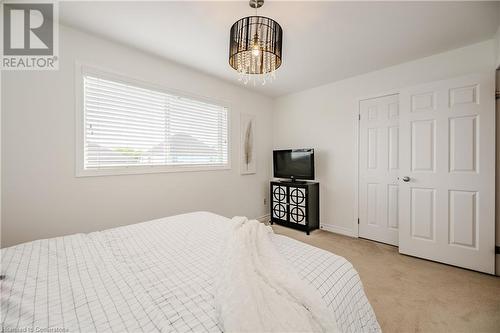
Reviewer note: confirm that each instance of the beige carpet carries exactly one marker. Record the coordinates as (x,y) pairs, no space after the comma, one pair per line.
(415,295)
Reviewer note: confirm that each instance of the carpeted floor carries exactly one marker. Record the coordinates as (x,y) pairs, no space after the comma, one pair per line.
(414,295)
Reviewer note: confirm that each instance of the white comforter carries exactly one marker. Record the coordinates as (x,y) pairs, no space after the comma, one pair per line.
(156,276)
(257,290)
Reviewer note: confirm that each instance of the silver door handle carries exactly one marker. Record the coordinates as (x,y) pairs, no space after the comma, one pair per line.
(406,179)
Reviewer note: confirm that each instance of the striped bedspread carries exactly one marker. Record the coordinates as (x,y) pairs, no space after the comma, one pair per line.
(152,276)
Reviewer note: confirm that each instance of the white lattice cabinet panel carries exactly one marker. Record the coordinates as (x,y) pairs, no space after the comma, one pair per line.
(279,202)
(297,205)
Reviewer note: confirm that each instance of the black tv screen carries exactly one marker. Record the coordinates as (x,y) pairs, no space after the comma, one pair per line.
(294,163)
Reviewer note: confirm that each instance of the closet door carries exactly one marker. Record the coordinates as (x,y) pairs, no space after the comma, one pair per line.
(447,171)
(378,169)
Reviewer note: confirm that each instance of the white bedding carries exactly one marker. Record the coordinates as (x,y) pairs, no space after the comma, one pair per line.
(153,276)
(257,290)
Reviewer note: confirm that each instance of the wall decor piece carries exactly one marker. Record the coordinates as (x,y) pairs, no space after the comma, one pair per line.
(248,159)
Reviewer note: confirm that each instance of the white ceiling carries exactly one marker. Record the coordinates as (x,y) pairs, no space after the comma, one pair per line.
(323,41)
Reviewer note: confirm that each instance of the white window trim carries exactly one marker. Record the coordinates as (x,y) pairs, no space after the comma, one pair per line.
(81,70)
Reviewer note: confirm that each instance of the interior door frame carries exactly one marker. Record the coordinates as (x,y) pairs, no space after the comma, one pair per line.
(357,120)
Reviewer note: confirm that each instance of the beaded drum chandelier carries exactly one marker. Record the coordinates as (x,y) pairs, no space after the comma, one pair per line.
(255,47)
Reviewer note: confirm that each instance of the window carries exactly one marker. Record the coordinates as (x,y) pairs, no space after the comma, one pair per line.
(130,129)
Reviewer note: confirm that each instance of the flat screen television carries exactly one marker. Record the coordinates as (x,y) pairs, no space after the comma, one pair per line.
(294,164)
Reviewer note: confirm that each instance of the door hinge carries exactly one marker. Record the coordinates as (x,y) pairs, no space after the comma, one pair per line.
(359,116)
(358,220)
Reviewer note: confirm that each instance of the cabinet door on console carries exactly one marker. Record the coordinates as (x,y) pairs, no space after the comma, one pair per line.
(279,202)
(297,201)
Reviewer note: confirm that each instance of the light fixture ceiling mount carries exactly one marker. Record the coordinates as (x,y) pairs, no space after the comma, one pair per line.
(256,3)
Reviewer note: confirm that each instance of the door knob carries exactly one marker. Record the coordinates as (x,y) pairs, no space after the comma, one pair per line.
(406,179)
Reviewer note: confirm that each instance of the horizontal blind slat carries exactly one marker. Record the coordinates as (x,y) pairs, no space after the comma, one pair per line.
(129,126)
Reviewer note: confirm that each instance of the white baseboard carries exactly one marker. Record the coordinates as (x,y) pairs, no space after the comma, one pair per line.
(263,218)
(327,227)
(339,230)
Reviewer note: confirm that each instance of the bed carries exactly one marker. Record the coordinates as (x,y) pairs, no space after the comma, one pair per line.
(152,276)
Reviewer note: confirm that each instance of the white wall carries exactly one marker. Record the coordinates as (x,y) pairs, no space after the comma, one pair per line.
(1,160)
(41,197)
(497,39)
(497,193)
(324,118)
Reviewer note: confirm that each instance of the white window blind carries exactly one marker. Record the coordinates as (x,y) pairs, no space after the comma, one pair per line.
(128,126)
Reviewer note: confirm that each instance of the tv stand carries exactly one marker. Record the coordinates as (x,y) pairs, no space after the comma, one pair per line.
(293,181)
(295,204)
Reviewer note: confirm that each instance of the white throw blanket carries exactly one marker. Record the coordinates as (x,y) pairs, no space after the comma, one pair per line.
(258,291)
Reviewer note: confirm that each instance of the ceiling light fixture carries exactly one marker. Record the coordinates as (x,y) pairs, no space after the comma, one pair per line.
(255,47)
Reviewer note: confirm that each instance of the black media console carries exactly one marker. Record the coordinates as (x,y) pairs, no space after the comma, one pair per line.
(295,204)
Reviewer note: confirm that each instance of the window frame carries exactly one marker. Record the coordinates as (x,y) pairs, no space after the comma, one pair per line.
(80,71)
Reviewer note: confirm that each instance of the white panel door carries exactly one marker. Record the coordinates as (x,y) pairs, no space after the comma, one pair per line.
(378,169)
(447,171)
